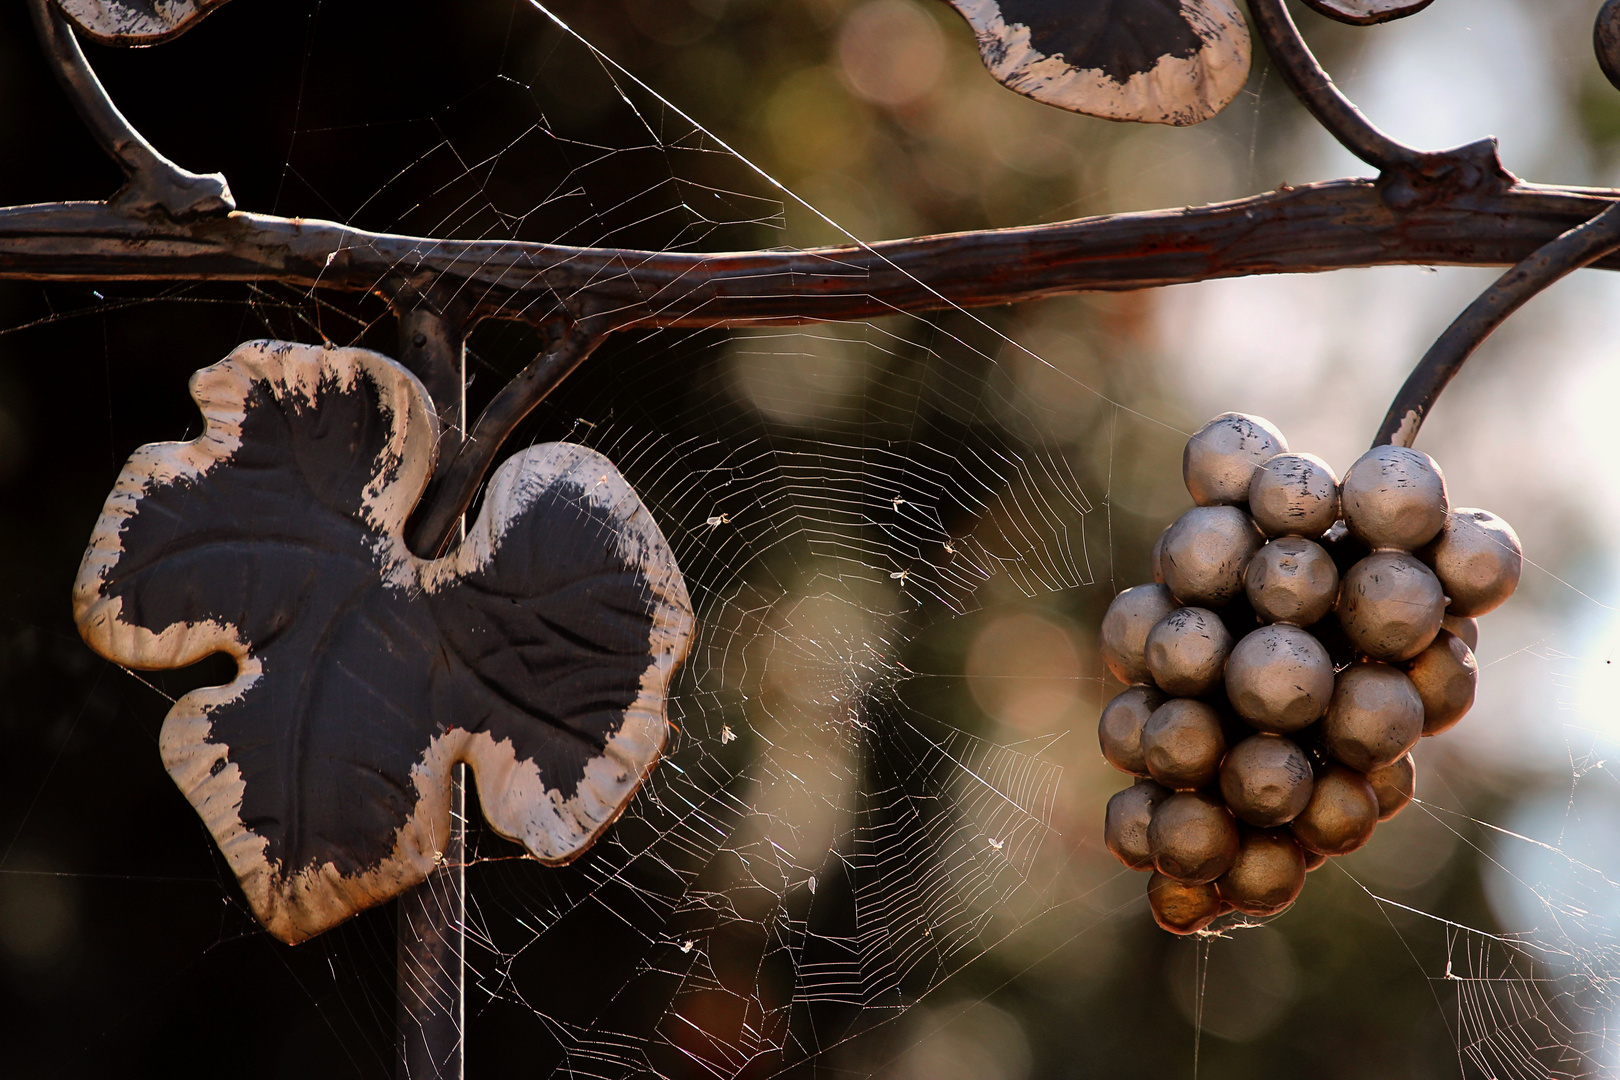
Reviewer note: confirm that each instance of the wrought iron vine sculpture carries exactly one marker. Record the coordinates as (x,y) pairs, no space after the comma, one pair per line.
(1163,61)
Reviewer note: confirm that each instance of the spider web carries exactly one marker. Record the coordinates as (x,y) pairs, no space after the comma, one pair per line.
(873,847)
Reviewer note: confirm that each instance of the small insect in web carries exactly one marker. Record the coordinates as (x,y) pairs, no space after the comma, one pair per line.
(718,520)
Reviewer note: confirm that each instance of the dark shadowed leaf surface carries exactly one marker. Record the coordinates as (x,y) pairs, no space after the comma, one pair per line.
(1156,61)
(539,651)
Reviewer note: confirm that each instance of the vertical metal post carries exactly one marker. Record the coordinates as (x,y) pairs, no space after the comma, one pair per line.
(431,950)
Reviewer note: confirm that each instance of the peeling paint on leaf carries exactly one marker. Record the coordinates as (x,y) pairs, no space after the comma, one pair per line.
(136,22)
(1155,61)
(539,651)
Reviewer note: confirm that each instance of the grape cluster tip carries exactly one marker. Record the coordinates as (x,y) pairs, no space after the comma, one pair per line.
(1301,635)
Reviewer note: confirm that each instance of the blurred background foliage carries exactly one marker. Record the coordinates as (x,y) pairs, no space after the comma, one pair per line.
(123,950)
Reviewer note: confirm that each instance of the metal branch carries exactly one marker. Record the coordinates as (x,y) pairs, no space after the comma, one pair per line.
(431,944)
(1580,246)
(1315,90)
(1410,175)
(155,184)
(1327,226)
(454,486)
(432,344)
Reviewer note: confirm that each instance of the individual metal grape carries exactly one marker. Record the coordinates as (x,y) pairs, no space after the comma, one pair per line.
(1314,860)
(1186,651)
(1291,580)
(1341,815)
(1391,606)
(1394,786)
(1446,676)
(1268,874)
(1279,678)
(1221,457)
(1125,824)
(1266,780)
(1294,495)
(1123,636)
(1478,559)
(1374,718)
(1119,729)
(1183,744)
(1467,629)
(1205,552)
(1181,908)
(1394,497)
(1193,837)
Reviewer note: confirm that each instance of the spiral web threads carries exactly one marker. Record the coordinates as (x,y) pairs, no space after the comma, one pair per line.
(801,775)
(1540,1003)
(815,852)
(825,845)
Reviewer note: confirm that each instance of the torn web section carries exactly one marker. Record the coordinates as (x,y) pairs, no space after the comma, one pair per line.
(836,830)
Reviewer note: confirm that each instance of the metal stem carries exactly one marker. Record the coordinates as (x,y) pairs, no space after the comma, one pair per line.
(155,183)
(431,960)
(1580,246)
(432,344)
(455,484)
(431,951)
(1315,90)
(1410,177)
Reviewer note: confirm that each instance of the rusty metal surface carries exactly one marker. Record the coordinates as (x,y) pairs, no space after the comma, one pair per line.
(1309,229)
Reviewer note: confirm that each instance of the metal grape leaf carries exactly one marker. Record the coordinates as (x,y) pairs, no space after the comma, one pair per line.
(136,22)
(1155,61)
(1367,12)
(539,651)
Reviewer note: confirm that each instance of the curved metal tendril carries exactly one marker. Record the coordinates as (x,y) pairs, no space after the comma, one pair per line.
(1578,247)
(454,484)
(1408,175)
(155,183)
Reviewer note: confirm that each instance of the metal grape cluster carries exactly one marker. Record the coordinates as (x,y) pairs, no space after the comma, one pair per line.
(1302,634)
